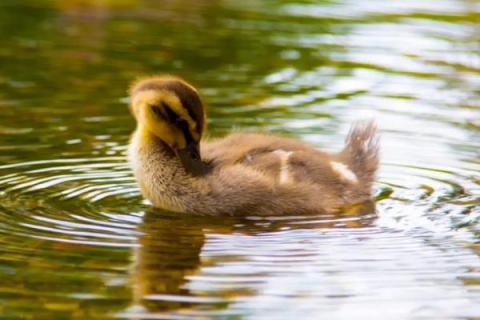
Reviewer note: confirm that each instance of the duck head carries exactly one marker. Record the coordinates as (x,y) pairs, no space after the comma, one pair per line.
(171,109)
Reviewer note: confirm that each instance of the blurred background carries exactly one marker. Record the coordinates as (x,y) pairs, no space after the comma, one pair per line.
(77,240)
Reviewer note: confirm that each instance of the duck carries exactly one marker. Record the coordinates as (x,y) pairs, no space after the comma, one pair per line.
(243,173)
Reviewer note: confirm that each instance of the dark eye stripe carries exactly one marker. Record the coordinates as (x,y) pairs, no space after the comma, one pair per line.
(157,111)
(170,114)
(166,113)
(189,108)
(183,126)
(175,119)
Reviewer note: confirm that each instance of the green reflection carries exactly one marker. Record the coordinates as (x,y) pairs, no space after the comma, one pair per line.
(69,207)
(169,253)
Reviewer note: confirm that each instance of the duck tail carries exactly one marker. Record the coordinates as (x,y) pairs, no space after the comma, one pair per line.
(361,151)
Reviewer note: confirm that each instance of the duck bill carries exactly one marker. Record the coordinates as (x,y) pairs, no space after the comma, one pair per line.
(190,158)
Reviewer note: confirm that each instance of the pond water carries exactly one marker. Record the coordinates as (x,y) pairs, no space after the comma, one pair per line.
(78,242)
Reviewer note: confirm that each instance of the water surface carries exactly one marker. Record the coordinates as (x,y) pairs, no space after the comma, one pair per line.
(78,242)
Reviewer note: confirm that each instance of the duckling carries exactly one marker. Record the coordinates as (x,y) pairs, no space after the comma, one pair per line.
(242,173)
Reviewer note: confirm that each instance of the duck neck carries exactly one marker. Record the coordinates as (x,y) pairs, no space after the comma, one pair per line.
(144,143)
(154,161)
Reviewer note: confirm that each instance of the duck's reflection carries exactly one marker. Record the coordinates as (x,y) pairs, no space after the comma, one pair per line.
(170,252)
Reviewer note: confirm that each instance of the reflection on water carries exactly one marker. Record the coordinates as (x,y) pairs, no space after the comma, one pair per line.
(169,252)
(188,267)
(77,240)
(169,260)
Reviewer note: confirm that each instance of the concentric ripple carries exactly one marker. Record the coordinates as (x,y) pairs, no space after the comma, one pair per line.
(68,200)
(77,241)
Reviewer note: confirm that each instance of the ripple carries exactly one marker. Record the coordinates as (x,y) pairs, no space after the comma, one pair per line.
(70,200)
(311,263)
(77,242)
(92,179)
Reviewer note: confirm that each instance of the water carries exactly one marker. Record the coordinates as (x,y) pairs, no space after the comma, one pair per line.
(78,242)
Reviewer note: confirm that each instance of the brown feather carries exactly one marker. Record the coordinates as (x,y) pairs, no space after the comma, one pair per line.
(249,173)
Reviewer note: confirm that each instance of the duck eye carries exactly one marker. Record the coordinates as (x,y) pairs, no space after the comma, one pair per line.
(164,112)
(157,111)
(170,115)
